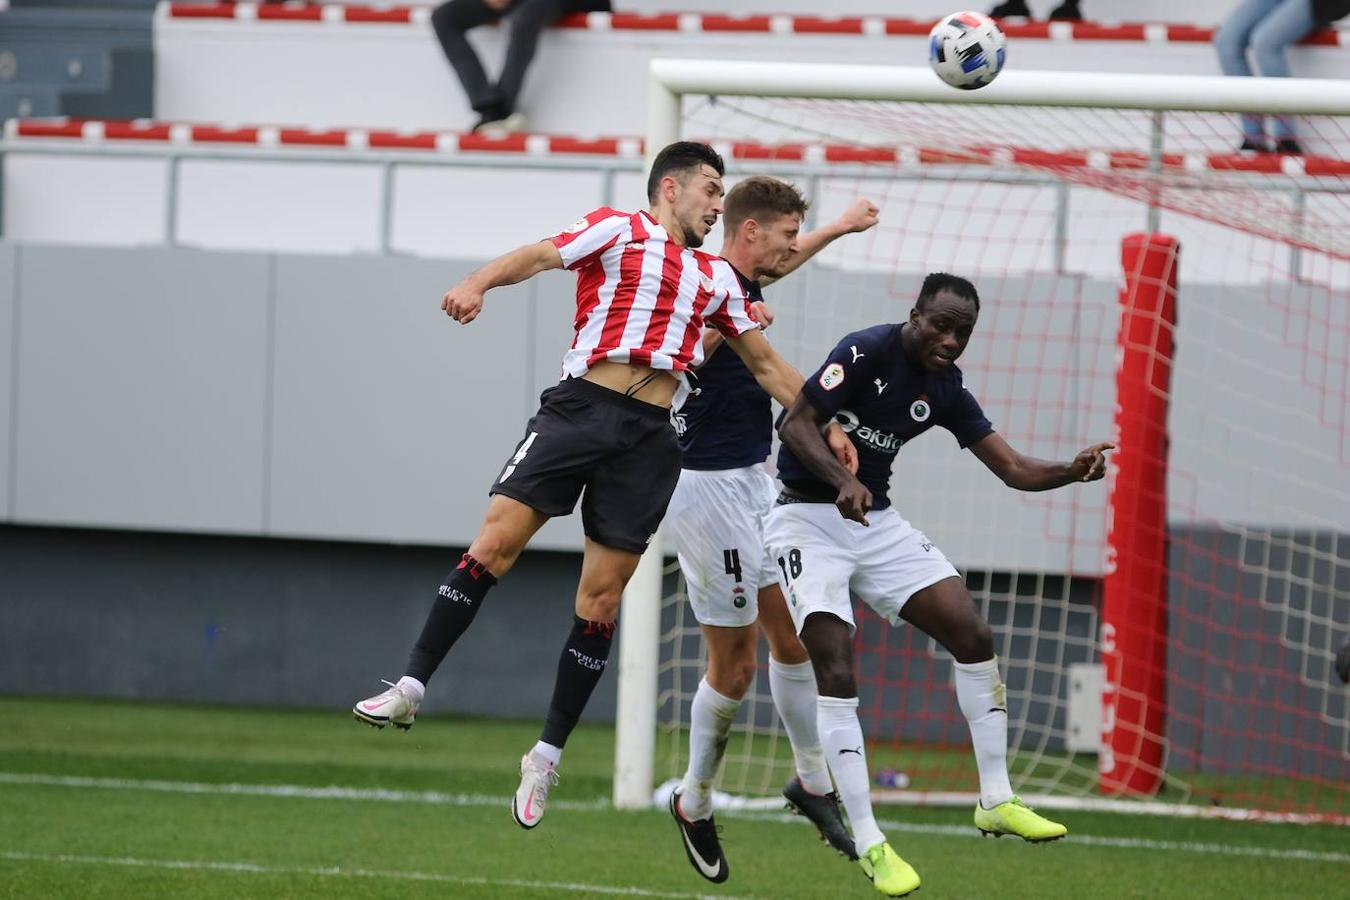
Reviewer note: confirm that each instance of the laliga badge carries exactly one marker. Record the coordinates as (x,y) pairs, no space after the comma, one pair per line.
(832,377)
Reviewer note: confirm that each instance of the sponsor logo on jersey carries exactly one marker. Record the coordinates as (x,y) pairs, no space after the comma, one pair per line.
(920,409)
(872,438)
(832,377)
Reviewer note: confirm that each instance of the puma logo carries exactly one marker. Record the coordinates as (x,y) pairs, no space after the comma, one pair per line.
(846,750)
(856,355)
(881,386)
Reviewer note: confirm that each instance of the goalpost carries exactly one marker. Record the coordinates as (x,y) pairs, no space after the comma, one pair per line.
(1167,637)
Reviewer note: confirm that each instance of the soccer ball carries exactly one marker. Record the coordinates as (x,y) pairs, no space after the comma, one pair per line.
(966,49)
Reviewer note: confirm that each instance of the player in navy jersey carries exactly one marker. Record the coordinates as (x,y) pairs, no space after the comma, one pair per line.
(715,523)
(887,385)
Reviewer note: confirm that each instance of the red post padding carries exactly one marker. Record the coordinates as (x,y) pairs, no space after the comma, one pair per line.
(1134,609)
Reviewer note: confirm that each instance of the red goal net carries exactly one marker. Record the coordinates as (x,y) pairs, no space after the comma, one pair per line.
(1167,636)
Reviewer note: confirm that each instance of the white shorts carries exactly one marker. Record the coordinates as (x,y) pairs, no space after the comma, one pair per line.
(828,559)
(715,523)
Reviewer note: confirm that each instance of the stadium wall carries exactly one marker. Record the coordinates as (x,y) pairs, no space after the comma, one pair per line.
(394,75)
(230,620)
(329,397)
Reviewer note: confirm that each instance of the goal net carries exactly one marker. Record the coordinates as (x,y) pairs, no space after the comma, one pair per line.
(1167,636)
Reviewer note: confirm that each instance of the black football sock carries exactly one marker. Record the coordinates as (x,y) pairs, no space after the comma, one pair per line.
(457,602)
(583,661)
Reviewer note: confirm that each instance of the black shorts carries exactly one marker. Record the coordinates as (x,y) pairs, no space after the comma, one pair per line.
(620,450)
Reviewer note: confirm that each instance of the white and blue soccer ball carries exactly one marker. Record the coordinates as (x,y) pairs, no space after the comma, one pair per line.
(967,50)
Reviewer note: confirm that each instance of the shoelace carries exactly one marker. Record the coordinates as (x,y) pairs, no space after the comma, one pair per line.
(702,827)
(395,689)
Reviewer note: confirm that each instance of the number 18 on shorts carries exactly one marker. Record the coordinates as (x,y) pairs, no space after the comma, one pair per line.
(824,560)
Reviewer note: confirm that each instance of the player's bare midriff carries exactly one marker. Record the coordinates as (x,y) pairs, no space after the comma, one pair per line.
(654,386)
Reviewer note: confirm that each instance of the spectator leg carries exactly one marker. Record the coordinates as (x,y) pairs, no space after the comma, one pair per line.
(528,20)
(1231,43)
(451,21)
(1287,24)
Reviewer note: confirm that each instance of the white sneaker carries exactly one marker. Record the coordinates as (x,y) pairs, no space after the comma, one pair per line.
(527,806)
(500,128)
(395,706)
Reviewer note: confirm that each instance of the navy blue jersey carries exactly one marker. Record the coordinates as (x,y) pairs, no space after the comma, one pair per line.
(882,400)
(727,422)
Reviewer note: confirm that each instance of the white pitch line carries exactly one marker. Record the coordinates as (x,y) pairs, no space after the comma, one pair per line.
(335,872)
(334,792)
(440,798)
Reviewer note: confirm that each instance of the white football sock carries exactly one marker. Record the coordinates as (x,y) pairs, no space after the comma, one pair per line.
(548,753)
(841,735)
(412,686)
(710,721)
(984,702)
(794,695)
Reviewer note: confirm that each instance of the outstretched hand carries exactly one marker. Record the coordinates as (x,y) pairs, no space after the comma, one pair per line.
(862,215)
(1090,464)
(462,303)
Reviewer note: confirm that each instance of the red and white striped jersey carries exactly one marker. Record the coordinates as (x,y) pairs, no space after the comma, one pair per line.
(642,298)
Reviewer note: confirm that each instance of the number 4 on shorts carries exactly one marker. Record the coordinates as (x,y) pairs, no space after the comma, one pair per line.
(732,558)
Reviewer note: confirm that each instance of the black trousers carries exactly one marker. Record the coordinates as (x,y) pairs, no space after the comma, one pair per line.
(528,19)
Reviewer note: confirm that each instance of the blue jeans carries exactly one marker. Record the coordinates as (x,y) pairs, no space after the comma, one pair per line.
(1267,27)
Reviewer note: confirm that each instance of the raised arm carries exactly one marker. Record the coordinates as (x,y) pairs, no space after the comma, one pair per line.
(464,301)
(801,432)
(1027,473)
(771,371)
(861,216)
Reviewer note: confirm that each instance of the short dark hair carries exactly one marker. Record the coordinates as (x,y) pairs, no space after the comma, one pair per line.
(681,157)
(761,198)
(941,281)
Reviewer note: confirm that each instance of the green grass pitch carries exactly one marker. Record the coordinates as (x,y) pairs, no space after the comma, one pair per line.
(117,800)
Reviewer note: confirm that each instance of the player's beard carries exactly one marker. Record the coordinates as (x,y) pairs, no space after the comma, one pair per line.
(692,239)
